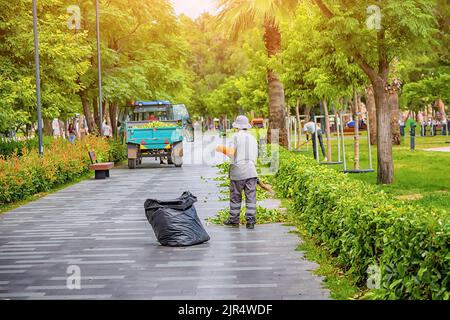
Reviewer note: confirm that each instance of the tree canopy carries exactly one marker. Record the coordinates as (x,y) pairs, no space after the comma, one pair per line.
(254,57)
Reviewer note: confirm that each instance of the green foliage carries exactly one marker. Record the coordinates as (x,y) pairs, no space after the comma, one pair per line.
(228,77)
(427,74)
(238,16)
(64,57)
(25,176)
(342,286)
(224,168)
(117,151)
(263,216)
(311,67)
(224,99)
(156,124)
(144,55)
(362,226)
(10,147)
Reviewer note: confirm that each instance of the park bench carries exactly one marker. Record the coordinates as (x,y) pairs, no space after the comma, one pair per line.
(101,169)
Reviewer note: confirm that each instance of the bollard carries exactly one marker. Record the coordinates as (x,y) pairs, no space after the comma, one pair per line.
(413,136)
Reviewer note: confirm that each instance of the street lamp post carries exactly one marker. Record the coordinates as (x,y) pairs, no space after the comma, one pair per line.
(38,79)
(99,67)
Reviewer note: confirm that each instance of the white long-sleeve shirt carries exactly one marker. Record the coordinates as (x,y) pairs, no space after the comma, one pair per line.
(243,164)
(310,127)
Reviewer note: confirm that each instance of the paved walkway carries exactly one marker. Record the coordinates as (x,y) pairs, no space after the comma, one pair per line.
(100,226)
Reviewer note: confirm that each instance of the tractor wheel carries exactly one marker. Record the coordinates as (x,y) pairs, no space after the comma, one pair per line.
(176,154)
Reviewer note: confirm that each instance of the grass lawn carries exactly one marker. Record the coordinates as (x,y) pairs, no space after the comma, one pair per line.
(421,177)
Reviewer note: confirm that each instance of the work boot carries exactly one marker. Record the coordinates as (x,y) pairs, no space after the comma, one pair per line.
(250,225)
(230,223)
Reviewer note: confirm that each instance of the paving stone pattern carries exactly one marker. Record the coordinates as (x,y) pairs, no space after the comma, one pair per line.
(100,226)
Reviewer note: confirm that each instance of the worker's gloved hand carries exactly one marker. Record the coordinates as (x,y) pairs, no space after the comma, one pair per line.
(228,151)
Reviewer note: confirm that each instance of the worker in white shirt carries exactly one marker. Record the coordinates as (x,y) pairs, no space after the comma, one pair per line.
(243,175)
(311,128)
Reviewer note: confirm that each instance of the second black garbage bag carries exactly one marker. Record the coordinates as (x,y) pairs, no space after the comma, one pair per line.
(175,222)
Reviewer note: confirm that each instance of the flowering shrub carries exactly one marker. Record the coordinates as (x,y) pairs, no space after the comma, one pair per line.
(366,229)
(21,177)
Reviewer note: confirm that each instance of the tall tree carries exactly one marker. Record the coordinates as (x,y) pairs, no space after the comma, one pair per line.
(390,30)
(426,74)
(313,70)
(238,16)
(215,63)
(63,57)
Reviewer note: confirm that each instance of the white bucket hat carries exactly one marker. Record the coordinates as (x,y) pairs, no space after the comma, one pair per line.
(241,122)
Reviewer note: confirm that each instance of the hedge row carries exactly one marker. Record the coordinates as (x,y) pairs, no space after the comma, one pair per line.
(28,174)
(366,229)
(11,147)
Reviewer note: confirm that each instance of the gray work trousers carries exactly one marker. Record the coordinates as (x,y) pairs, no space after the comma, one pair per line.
(249,188)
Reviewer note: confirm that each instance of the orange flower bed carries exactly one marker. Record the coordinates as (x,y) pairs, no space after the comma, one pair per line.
(21,177)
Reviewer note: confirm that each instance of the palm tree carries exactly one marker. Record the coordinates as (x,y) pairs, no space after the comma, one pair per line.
(241,15)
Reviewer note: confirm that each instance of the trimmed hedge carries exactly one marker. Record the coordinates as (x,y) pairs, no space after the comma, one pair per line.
(10,147)
(24,176)
(363,226)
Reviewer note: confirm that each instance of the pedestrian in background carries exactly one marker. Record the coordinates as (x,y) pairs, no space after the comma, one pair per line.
(106,130)
(402,126)
(311,128)
(72,133)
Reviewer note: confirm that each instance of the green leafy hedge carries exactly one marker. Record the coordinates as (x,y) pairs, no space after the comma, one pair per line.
(117,151)
(10,147)
(366,229)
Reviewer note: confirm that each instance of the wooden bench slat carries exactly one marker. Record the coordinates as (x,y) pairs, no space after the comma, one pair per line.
(102,166)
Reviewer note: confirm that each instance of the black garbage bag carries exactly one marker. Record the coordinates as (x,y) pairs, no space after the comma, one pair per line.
(175,222)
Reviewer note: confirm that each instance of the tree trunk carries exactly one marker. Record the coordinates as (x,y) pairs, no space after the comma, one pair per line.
(277,115)
(395,116)
(299,125)
(105,112)
(277,110)
(307,110)
(327,130)
(87,111)
(28,130)
(378,76)
(384,137)
(371,110)
(96,112)
(356,164)
(113,118)
(441,108)
(48,130)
